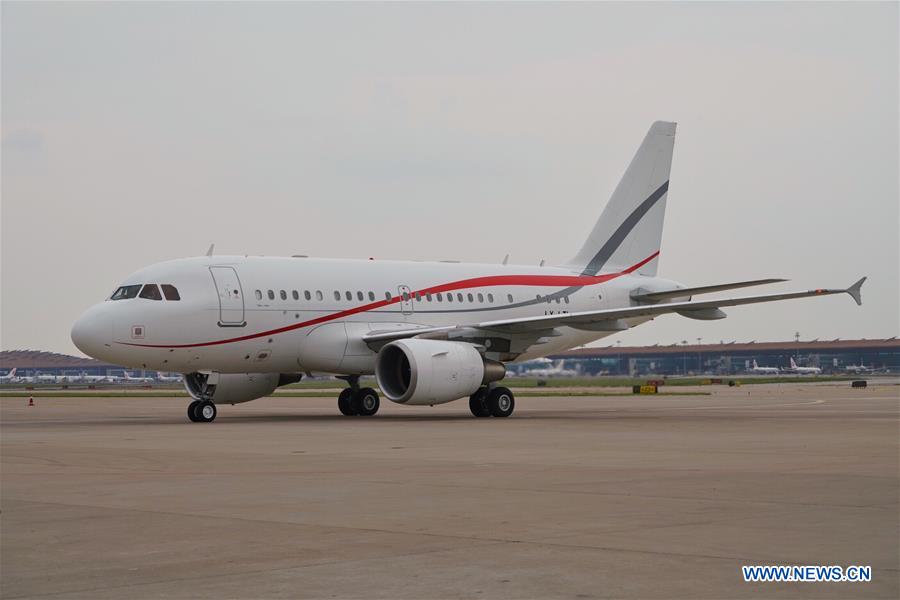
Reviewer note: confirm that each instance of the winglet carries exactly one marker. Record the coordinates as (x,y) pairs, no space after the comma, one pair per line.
(854,291)
(211,248)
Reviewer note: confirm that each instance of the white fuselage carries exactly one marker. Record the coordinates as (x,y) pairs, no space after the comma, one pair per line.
(266,314)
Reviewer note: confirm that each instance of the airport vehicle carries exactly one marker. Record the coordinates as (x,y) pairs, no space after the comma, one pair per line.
(9,377)
(238,327)
(794,368)
(764,370)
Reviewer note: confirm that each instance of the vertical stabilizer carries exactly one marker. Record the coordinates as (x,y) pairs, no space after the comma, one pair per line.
(629,231)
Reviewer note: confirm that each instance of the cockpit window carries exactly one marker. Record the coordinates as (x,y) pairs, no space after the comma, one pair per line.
(170,291)
(150,292)
(126,292)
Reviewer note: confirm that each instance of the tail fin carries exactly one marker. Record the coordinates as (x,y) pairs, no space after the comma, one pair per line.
(755,366)
(793,364)
(628,234)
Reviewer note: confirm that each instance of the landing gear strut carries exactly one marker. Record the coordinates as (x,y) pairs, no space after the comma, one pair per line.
(358,401)
(492,402)
(201,411)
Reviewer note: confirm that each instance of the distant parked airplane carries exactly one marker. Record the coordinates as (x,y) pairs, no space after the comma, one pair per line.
(166,379)
(553,370)
(9,377)
(803,370)
(764,370)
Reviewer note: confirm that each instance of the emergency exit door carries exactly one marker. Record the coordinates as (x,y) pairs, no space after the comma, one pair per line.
(231,296)
(406,306)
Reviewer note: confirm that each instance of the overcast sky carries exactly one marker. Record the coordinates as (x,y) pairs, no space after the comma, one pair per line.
(136,133)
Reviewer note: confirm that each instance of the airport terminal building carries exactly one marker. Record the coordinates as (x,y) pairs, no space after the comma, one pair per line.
(833,357)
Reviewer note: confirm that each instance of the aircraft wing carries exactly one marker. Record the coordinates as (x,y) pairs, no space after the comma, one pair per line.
(694,291)
(530,330)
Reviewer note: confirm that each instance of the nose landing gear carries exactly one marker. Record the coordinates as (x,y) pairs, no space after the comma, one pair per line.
(354,400)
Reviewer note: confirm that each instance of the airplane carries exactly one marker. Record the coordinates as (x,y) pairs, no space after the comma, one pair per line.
(860,369)
(9,377)
(764,370)
(131,379)
(166,379)
(552,370)
(803,370)
(238,327)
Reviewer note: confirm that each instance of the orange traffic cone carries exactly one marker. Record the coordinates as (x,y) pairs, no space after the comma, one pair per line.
(30,401)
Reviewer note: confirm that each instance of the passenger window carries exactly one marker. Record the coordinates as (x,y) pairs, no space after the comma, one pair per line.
(558,300)
(459,297)
(470,297)
(428,297)
(258,294)
(307,295)
(387,296)
(151,292)
(538,297)
(481,297)
(337,295)
(491,298)
(319,295)
(449,297)
(348,295)
(359,295)
(126,292)
(405,297)
(295,295)
(170,292)
(371,296)
(566,299)
(599,296)
(509,298)
(418,297)
(271,295)
(440,298)
(283,295)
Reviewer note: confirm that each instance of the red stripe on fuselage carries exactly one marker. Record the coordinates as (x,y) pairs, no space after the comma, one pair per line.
(488,281)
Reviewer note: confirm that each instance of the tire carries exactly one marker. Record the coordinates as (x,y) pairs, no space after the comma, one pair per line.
(501,402)
(478,403)
(206,412)
(366,402)
(192,408)
(345,404)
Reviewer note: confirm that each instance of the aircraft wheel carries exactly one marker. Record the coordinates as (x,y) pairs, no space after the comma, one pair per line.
(192,409)
(478,403)
(365,402)
(345,404)
(205,412)
(500,402)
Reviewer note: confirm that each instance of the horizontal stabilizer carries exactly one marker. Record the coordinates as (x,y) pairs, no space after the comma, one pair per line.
(855,291)
(694,291)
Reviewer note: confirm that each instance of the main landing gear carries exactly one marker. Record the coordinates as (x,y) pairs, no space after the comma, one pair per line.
(492,402)
(201,411)
(354,400)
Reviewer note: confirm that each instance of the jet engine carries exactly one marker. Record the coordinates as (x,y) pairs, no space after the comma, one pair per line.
(418,371)
(234,388)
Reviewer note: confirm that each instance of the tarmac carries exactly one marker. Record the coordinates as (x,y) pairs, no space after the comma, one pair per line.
(571,497)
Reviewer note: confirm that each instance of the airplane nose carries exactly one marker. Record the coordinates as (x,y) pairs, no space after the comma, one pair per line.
(92,332)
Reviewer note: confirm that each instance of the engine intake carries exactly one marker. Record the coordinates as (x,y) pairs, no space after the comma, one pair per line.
(420,371)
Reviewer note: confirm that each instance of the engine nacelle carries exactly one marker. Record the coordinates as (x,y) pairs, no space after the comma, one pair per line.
(418,371)
(234,388)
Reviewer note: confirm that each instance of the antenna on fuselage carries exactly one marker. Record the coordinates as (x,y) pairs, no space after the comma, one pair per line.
(211,248)
(505,259)
(542,263)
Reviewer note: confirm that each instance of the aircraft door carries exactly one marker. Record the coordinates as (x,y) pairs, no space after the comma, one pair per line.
(231,296)
(406,305)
